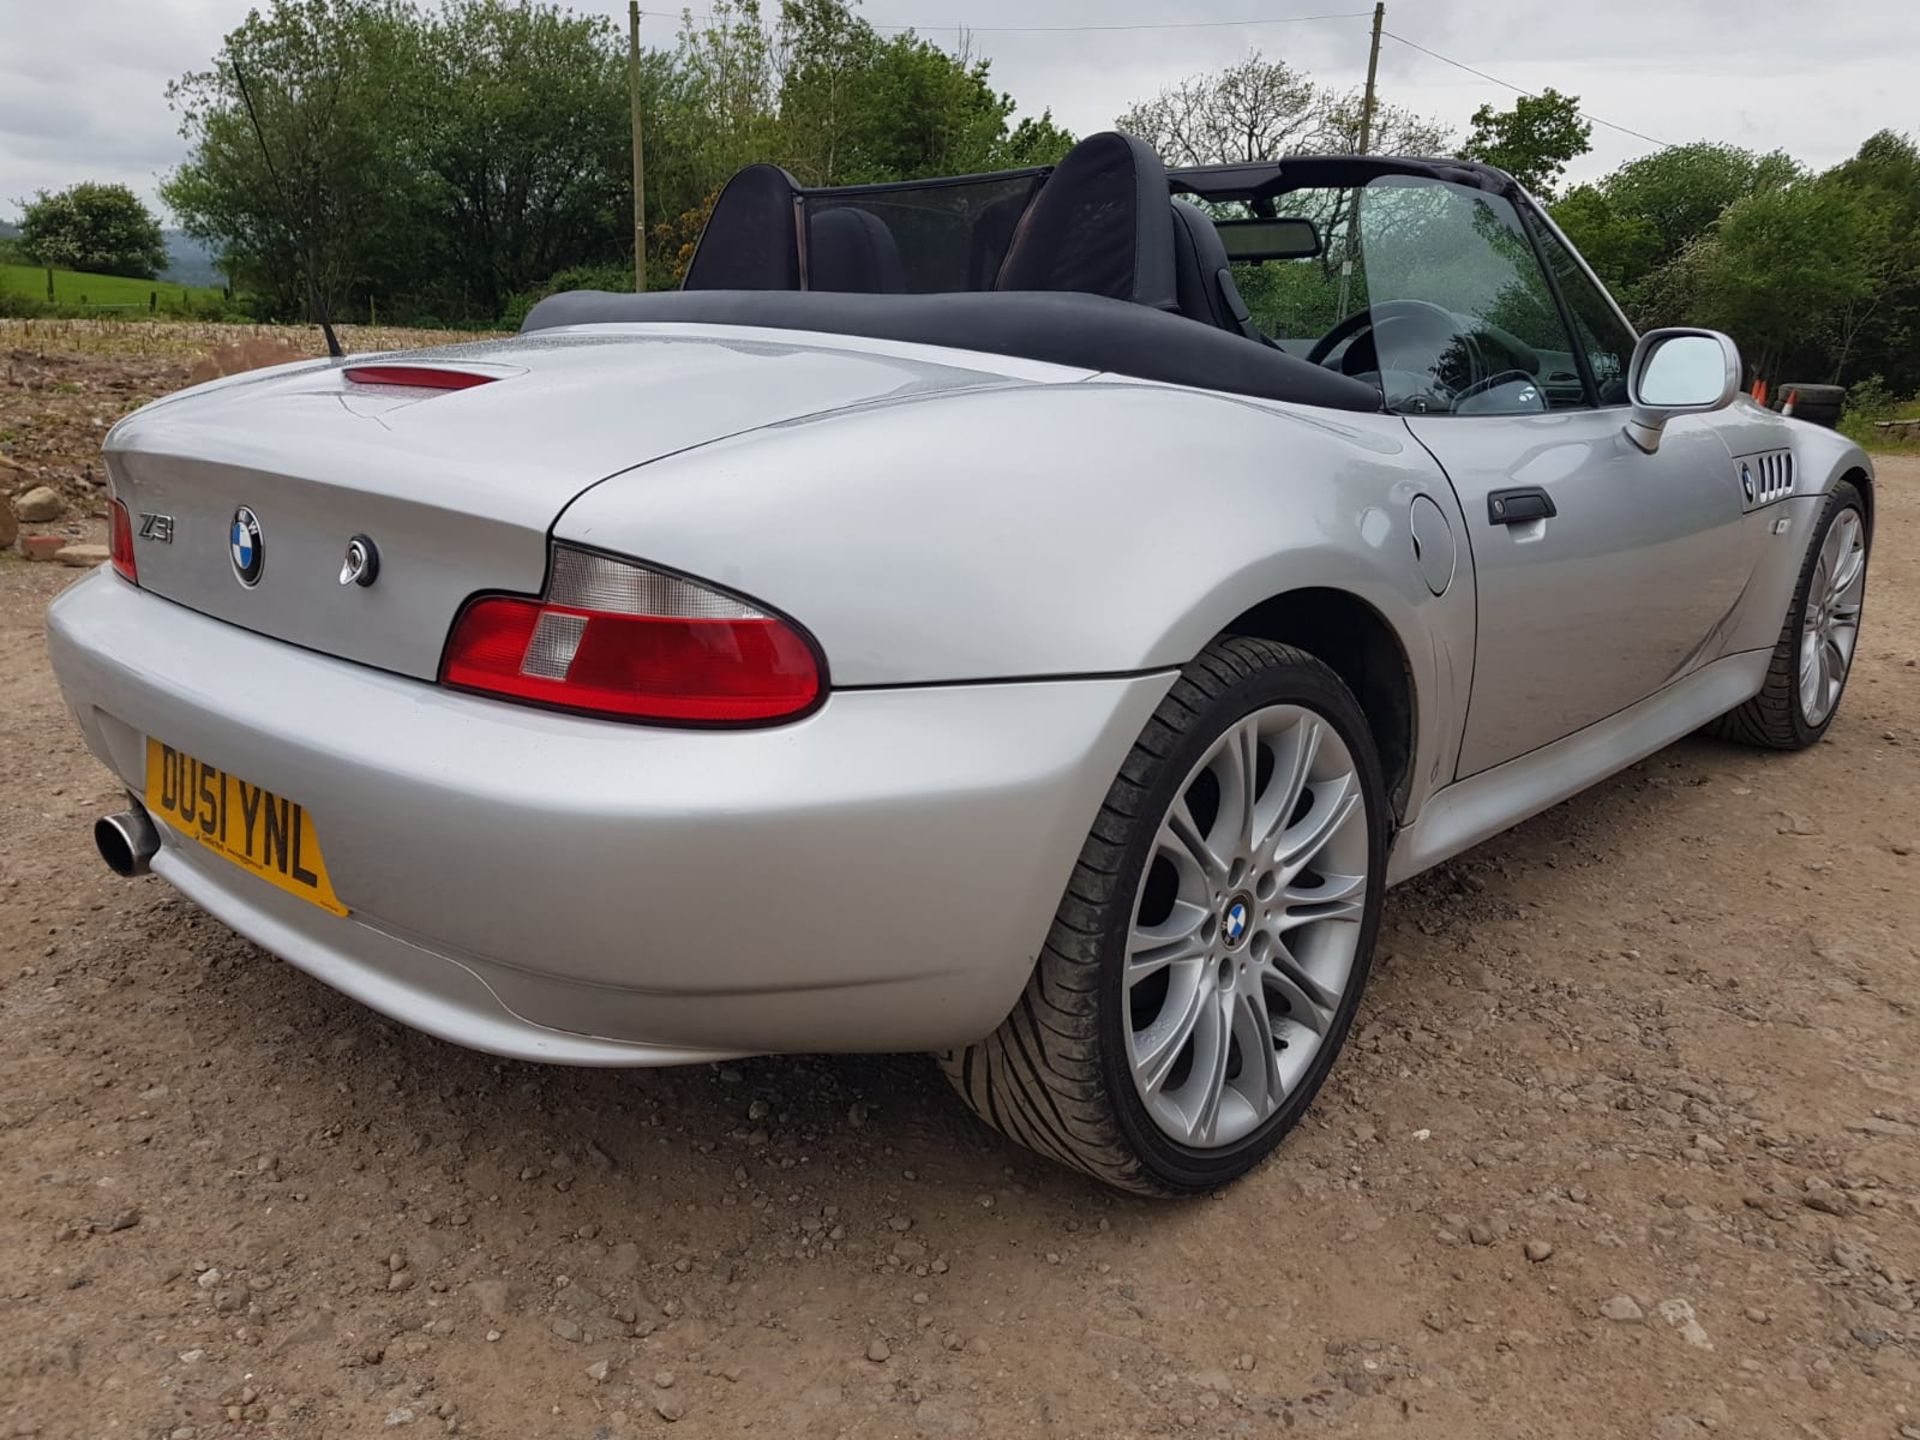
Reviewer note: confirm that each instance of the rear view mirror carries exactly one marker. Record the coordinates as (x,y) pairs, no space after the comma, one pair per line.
(1281,238)
(1678,372)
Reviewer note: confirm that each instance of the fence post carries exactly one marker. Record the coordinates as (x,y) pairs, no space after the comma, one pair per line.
(50,285)
(153,301)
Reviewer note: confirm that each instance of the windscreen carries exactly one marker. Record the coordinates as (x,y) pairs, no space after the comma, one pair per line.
(1430,289)
(918,237)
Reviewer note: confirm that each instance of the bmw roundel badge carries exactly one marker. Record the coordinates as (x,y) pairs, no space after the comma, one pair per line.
(1236,922)
(246,547)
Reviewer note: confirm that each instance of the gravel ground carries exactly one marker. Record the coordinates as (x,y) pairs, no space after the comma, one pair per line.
(1624,1145)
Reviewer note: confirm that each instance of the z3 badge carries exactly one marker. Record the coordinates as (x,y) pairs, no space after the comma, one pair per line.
(157,528)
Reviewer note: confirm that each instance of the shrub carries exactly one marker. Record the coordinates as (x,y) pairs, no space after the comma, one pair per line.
(1870,400)
(580,277)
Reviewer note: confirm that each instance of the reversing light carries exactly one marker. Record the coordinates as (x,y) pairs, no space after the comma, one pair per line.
(120,540)
(612,637)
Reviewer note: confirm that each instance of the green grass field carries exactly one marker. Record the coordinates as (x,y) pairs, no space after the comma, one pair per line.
(71,287)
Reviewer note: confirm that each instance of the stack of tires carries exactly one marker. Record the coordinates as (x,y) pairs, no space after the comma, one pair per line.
(1819,404)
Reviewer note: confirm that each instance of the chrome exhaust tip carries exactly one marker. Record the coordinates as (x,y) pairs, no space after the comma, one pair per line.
(126,841)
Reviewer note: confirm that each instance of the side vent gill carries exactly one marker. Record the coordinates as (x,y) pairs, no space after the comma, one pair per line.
(1766,477)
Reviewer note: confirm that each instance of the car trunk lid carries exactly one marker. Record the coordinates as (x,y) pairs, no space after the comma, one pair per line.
(455,488)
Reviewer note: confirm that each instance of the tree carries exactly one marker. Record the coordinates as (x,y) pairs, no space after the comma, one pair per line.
(1876,333)
(103,229)
(335,84)
(1257,109)
(1622,247)
(1532,140)
(1260,109)
(1036,140)
(1781,262)
(856,108)
(1681,191)
(1642,227)
(724,93)
(1395,130)
(522,113)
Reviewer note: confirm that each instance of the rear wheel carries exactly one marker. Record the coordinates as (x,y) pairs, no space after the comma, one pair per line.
(1814,655)
(1207,959)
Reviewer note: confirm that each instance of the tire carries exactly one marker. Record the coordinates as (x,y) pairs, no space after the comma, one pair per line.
(1059,1074)
(1816,404)
(1779,717)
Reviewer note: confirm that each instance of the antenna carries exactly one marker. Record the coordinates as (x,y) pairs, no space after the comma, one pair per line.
(286,209)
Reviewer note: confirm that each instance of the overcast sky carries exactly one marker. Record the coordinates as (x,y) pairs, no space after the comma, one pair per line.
(82,82)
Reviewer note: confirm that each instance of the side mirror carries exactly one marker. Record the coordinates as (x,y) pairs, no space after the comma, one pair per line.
(1678,372)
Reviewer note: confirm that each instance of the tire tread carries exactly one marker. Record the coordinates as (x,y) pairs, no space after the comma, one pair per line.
(1771,720)
(1038,1080)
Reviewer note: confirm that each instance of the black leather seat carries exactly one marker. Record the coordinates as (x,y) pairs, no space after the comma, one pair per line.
(1203,276)
(852,250)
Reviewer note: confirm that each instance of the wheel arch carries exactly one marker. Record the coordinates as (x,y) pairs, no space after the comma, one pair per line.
(1353,639)
(1861,478)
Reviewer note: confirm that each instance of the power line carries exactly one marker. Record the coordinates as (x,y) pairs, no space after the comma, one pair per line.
(1075,29)
(1520,90)
(1224,25)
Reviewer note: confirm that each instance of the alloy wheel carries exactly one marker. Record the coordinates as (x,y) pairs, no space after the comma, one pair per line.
(1832,622)
(1246,926)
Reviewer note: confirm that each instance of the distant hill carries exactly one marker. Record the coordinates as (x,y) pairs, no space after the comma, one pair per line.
(189,262)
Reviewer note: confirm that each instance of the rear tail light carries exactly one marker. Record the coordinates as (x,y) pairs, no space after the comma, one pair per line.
(120,540)
(614,638)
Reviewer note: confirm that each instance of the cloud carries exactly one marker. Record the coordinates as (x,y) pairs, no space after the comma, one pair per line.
(82,86)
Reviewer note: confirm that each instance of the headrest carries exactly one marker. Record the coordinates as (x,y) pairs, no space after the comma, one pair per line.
(1100,224)
(851,249)
(1204,274)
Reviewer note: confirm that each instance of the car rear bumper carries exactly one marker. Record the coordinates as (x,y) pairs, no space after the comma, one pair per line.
(877,876)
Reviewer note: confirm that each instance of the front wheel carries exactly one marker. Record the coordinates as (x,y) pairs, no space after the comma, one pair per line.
(1814,654)
(1207,959)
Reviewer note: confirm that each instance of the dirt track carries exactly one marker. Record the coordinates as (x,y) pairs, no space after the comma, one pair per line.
(1668,1029)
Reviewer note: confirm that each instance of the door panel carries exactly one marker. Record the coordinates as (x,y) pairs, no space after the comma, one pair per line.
(1622,590)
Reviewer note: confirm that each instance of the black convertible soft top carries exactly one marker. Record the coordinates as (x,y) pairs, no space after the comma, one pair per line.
(1093,332)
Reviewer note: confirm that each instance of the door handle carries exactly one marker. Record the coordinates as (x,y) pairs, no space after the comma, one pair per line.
(1516,507)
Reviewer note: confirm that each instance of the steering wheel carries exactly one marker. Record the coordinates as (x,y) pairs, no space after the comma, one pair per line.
(1385,311)
(1436,356)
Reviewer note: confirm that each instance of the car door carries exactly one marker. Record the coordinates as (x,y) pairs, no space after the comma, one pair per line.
(1602,573)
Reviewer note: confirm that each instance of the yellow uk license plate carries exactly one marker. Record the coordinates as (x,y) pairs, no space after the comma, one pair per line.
(257,830)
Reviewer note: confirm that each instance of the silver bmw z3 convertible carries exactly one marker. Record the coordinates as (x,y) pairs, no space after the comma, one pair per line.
(1030,617)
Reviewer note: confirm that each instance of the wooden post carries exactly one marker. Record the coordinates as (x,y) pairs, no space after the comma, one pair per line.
(639,151)
(1373,70)
(1366,139)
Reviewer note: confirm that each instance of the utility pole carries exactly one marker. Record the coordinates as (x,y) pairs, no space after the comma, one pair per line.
(1366,139)
(1373,70)
(639,151)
